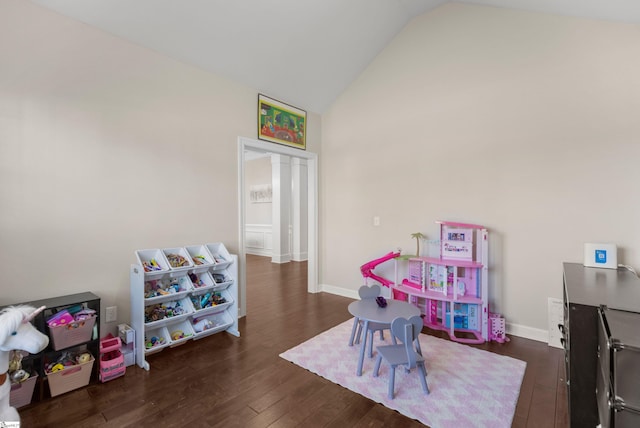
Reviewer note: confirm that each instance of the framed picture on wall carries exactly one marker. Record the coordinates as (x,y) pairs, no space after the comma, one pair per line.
(281,123)
(260,193)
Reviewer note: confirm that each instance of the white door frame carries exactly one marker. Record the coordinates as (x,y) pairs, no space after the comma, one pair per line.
(312,210)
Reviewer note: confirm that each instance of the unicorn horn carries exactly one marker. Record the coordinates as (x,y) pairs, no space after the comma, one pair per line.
(33,314)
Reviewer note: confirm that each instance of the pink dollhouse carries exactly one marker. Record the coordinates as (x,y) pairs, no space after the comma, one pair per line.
(451,290)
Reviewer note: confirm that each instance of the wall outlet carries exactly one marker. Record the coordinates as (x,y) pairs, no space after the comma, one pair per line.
(555,317)
(111,314)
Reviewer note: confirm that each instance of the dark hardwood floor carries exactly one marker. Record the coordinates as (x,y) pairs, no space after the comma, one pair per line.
(225,381)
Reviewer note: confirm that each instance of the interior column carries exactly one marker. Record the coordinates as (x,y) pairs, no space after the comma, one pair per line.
(281,206)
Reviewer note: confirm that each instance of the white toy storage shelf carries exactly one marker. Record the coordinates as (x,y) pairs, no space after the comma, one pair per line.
(180,294)
(452,290)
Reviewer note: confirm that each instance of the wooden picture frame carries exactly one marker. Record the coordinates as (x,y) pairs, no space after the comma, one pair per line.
(281,123)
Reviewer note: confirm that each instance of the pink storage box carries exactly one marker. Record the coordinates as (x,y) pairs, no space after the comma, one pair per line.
(75,333)
(22,392)
(61,318)
(72,377)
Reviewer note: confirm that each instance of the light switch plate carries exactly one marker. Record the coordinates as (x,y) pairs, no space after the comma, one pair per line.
(111,314)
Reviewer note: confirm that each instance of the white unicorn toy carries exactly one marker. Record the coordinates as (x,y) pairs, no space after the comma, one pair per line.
(16,333)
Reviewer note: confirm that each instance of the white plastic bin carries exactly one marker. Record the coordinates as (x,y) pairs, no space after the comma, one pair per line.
(179,260)
(210,324)
(180,332)
(156,339)
(220,255)
(201,258)
(153,262)
(201,281)
(196,300)
(163,313)
(159,290)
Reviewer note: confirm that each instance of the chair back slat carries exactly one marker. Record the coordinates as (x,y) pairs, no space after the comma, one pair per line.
(412,355)
(407,331)
(366,292)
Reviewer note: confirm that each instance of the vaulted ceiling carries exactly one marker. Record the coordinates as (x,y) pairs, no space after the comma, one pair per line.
(304,52)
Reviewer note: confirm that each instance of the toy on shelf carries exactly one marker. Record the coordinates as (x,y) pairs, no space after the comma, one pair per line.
(452,289)
(418,237)
(154,341)
(16,333)
(68,359)
(203,324)
(128,339)
(111,358)
(497,328)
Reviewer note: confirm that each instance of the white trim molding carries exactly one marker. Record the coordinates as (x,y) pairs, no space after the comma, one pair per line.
(250,145)
(259,239)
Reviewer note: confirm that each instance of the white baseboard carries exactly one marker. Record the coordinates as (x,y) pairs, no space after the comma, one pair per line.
(536,334)
(258,252)
(300,257)
(280,258)
(339,291)
(524,331)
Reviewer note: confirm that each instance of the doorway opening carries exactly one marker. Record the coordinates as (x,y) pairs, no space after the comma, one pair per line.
(249,147)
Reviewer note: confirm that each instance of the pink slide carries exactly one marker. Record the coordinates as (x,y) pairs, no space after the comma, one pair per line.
(368,267)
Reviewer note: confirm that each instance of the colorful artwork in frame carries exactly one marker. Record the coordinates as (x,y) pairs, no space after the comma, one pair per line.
(281,123)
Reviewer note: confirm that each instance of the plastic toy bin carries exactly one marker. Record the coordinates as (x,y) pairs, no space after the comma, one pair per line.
(180,332)
(209,324)
(153,262)
(160,289)
(202,259)
(220,255)
(72,377)
(111,359)
(156,340)
(202,280)
(178,258)
(22,392)
(75,333)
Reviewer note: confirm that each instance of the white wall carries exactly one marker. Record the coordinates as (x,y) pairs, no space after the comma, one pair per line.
(257,173)
(523,122)
(258,215)
(105,148)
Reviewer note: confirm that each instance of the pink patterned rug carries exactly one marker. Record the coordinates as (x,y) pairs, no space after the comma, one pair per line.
(469,387)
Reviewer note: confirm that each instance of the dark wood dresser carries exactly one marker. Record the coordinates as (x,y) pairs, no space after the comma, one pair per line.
(585,289)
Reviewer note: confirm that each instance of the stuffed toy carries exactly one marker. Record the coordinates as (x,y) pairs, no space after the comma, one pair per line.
(16,333)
